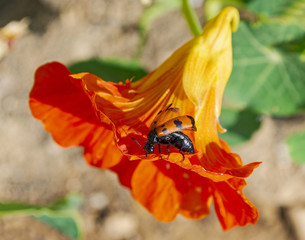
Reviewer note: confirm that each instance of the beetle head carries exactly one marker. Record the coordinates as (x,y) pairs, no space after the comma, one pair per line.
(149,147)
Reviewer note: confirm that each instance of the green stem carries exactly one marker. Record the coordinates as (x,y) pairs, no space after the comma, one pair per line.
(191,18)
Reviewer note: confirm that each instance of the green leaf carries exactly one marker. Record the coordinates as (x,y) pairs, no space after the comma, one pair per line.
(279,8)
(61,215)
(260,9)
(269,8)
(268,68)
(114,70)
(240,125)
(296,145)
(65,223)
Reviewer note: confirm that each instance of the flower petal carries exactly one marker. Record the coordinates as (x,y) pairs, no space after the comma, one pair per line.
(209,62)
(125,170)
(193,163)
(196,192)
(232,207)
(207,70)
(67,114)
(156,191)
(166,190)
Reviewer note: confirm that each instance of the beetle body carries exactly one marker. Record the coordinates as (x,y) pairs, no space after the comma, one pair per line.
(178,140)
(169,133)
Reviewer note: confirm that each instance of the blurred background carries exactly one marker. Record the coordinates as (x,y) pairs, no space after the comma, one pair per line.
(36,171)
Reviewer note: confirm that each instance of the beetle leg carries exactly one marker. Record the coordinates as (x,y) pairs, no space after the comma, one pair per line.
(182,155)
(160,151)
(168,152)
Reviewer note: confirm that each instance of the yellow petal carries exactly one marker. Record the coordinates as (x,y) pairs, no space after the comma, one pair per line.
(206,72)
(209,62)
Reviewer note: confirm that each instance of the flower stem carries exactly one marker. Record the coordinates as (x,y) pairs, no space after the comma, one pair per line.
(191,18)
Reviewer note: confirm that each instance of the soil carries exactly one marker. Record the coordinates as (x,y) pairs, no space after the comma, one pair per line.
(35,170)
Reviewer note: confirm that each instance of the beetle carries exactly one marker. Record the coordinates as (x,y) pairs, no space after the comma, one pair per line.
(168,132)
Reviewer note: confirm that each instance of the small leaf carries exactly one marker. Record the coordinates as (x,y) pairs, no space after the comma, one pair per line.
(110,69)
(65,224)
(296,144)
(240,125)
(61,215)
(268,68)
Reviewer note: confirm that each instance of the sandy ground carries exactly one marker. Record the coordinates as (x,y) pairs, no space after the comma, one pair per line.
(33,169)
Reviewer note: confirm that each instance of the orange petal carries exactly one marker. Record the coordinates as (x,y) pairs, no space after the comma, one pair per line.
(192,163)
(156,191)
(196,203)
(66,112)
(125,170)
(166,190)
(101,150)
(197,196)
(232,207)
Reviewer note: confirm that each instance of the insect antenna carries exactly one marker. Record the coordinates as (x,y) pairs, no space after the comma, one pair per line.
(137,142)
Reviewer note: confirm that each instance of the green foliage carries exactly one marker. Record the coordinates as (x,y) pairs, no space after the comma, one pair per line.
(64,224)
(115,70)
(268,68)
(240,125)
(61,215)
(261,8)
(269,8)
(296,145)
(278,8)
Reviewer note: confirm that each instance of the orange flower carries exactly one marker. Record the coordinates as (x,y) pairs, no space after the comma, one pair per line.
(82,109)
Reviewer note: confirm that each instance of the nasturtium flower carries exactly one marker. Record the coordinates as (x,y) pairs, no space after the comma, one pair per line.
(82,109)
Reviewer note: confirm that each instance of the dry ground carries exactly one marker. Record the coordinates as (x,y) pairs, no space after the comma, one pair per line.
(35,170)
